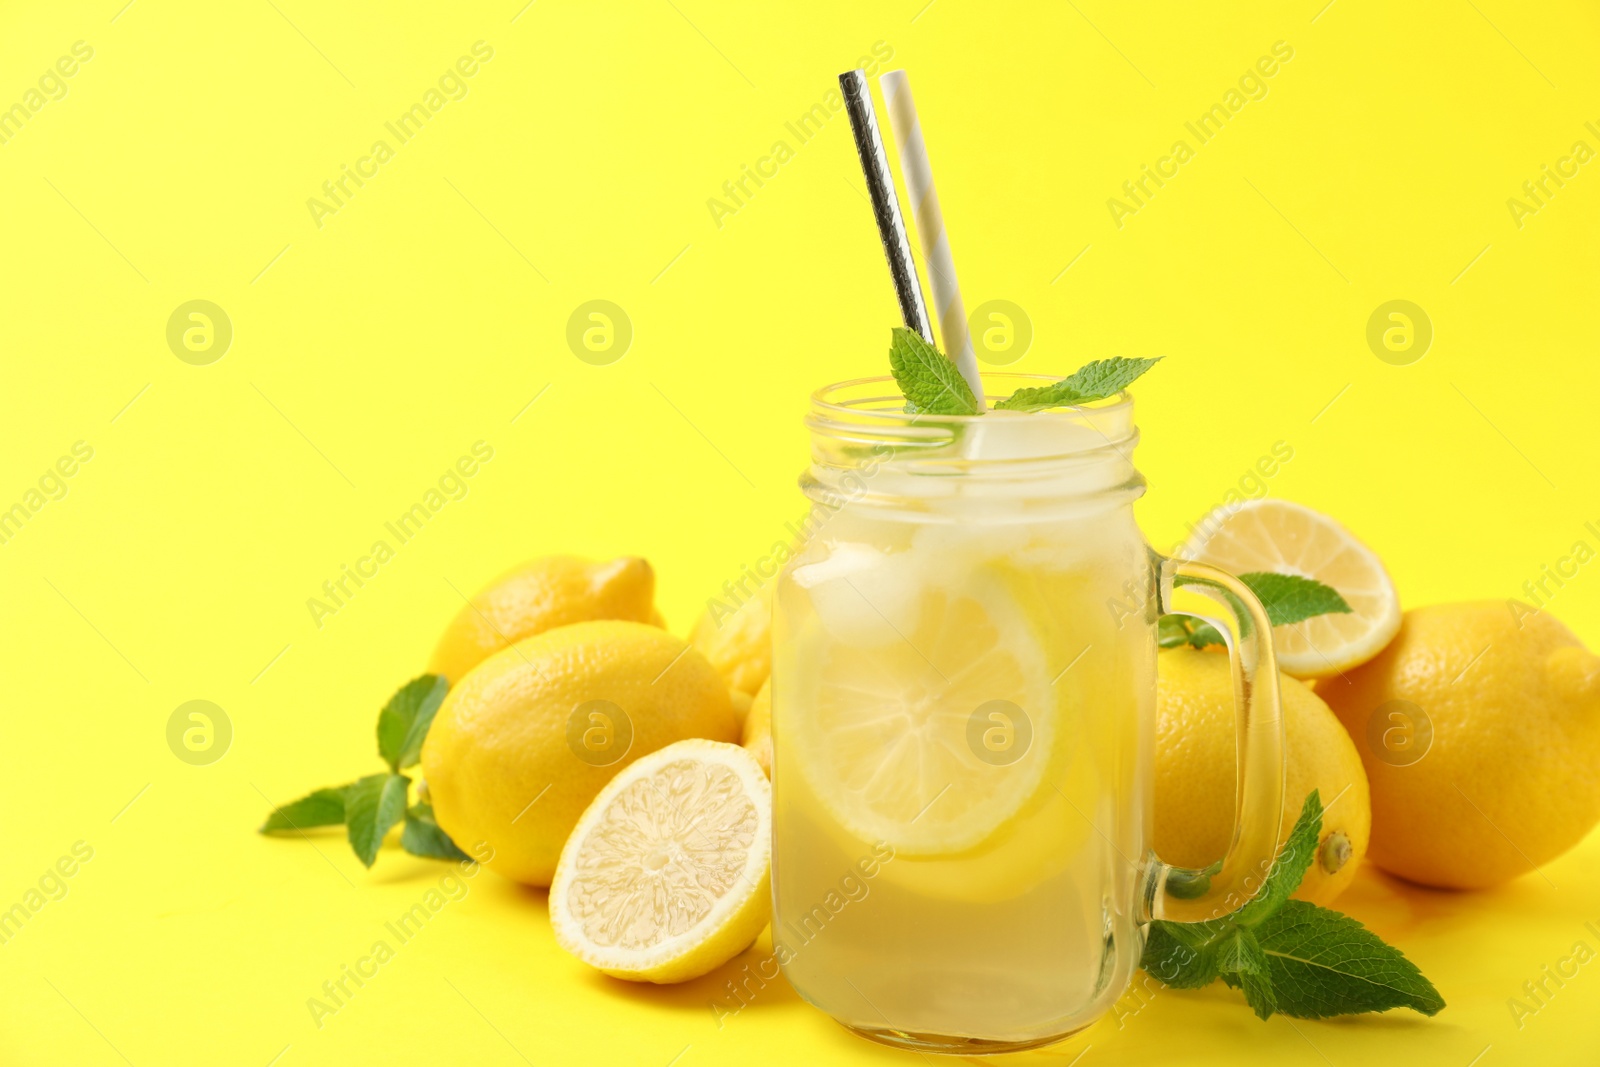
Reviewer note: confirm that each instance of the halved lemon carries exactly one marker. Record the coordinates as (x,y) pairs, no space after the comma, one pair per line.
(666,876)
(1286,538)
(933,732)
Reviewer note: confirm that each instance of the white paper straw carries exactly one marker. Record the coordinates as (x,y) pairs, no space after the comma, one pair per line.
(918,176)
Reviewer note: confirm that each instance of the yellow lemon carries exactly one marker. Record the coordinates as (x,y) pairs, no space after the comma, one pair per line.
(1480,730)
(540,595)
(738,643)
(523,743)
(1286,538)
(666,875)
(1196,741)
(757,737)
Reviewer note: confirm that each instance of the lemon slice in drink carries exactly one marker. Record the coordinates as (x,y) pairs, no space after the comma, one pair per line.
(1277,536)
(934,734)
(666,876)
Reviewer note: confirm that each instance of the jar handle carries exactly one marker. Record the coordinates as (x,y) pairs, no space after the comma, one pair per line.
(1187,894)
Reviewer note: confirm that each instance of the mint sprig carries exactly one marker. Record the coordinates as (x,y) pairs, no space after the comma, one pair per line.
(932,384)
(369,807)
(1291,598)
(323,807)
(404,720)
(1290,956)
(1093,381)
(1288,598)
(422,836)
(1324,964)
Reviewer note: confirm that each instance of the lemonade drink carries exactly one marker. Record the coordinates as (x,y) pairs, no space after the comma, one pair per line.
(963,689)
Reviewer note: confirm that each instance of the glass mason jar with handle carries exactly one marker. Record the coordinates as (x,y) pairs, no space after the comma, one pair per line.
(962,711)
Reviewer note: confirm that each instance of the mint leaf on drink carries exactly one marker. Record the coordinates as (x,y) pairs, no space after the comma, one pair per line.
(934,386)
(404,720)
(1290,956)
(1093,381)
(931,383)
(1324,963)
(324,807)
(371,807)
(1290,598)
(422,836)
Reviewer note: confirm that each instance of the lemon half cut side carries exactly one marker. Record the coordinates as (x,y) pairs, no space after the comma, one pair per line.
(667,875)
(1287,538)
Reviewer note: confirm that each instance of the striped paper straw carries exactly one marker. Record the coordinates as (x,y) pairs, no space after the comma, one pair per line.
(918,175)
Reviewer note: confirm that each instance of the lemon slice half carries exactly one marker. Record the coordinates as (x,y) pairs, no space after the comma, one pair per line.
(666,876)
(884,731)
(1286,538)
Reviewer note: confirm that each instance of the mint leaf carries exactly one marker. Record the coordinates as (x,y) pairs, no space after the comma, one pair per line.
(1290,866)
(931,383)
(1323,963)
(1289,598)
(324,807)
(372,806)
(404,720)
(1182,955)
(1227,596)
(1175,631)
(1092,381)
(1172,631)
(422,836)
(1243,964)
(1286,955)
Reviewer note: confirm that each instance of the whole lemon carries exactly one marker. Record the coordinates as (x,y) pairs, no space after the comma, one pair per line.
(757,738)
(738,642)
(526,740)
(1480,730)
(1196,742)
(540,595)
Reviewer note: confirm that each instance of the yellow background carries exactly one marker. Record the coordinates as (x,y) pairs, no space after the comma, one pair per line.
(370,353)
